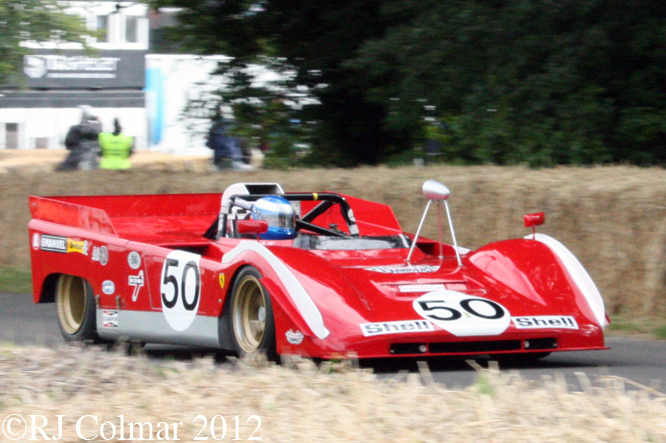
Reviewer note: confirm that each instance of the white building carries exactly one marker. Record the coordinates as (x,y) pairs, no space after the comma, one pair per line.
(121,79)
(60,77)
(172,83)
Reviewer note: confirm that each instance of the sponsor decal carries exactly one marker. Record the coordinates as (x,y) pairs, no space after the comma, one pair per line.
(395,327)
(100,254)
(294,337)
(134,260)
(463,315)
(403,269)
(545,322)
(421,288)
(52,243)
(137,281)
(109,319)
(35,241)
(108,287)
(77,246)
(180,286)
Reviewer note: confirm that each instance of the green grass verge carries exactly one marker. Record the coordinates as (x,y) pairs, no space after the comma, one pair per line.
(660,333)
(15,280)
(625,326)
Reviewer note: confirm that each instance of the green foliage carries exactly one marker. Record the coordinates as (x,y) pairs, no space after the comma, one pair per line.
(32,20)
(315,38)
(212,27)
(512,81)
(541,83)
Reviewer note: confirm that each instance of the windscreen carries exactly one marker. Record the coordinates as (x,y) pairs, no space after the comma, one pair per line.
(330,243)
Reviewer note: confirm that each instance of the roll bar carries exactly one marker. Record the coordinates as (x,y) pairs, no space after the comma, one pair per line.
(327,199)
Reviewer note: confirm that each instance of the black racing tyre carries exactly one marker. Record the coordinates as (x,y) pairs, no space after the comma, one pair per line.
(251,321)
(76,308)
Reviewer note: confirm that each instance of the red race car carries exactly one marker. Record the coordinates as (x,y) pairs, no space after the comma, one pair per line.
(315,274)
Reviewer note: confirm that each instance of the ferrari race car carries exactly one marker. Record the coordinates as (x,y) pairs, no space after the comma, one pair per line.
(317,274)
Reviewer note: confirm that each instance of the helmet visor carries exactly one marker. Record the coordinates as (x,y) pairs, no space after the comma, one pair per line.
(286,221)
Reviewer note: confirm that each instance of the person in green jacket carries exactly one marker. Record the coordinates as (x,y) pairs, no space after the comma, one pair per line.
(116,148)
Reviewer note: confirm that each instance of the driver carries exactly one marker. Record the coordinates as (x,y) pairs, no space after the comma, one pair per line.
(279,214)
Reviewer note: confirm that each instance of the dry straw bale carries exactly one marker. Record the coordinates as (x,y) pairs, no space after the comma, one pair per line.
(302,402)
(612,218)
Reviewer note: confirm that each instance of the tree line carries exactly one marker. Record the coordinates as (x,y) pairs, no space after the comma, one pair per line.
(538,82)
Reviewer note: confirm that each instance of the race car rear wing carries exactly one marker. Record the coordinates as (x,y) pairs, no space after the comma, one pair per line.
(165,219)
(55,210)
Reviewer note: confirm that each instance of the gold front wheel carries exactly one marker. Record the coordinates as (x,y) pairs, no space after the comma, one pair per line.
(251,314)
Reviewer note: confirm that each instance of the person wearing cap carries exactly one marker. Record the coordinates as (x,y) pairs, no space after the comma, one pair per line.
(116,148)
(82,142)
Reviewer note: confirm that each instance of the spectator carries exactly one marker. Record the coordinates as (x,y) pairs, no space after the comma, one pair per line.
(227,153)
(82,142)
(116,148)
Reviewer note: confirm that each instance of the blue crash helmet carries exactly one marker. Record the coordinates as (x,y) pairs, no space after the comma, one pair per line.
(279,214)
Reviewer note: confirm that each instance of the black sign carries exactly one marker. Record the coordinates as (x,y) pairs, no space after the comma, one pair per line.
(53,244)
(76,69)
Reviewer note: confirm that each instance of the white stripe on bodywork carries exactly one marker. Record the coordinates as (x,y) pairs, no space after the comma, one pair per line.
(299,296)
(579,275)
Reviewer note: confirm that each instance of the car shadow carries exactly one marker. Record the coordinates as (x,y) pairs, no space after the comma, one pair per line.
(457,364)
(382,366)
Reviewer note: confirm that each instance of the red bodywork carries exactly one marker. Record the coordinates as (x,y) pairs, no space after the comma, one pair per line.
(513,296)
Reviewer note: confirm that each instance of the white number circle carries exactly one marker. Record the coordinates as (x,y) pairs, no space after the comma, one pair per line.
(180,289)
(134,260)
(463,315)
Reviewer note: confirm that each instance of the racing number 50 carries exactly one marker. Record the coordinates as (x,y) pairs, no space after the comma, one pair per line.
(171,277)
(434,309)
(463,315)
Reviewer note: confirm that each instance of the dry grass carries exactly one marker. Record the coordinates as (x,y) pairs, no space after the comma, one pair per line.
(301,402)
(612,218)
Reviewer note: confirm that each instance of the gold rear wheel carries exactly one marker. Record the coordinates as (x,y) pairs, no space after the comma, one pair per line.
(76,308)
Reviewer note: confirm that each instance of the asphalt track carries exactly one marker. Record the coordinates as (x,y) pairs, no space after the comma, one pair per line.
(640,362)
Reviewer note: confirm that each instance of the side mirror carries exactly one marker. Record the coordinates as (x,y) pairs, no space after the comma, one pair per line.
(251,226)
(434,190)
(533,220)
